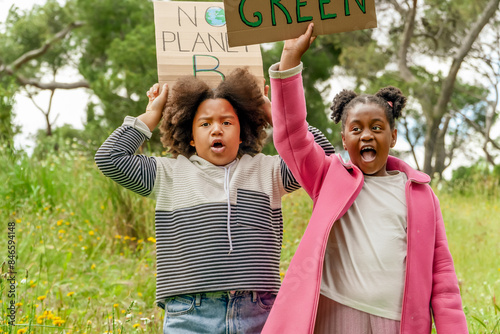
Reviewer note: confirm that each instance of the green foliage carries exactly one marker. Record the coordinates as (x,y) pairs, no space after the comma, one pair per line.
(476,179)
(445,22)
(85,247)
(362,57)
(24,31)
(118,55)
(29,30)
(7,129)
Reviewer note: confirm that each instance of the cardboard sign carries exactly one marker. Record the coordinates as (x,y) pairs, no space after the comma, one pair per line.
(191,40)
(260,21)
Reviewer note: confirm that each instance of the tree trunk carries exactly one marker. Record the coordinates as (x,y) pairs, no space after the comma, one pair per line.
(441,107)
(431,134)
(440,150)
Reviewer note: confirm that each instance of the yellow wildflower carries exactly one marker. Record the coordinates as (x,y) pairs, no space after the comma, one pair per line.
(58,322)
(61,231)
(136,325)
(41,298)
(59,222)
(91,232)
(152,239)
(71,293)
(92,266)
(22,330)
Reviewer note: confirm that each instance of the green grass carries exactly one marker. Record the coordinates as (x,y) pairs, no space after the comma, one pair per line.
(86,249)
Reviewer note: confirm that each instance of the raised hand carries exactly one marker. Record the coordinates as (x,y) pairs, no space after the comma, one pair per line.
(157,99)
(154,109)
(295,48)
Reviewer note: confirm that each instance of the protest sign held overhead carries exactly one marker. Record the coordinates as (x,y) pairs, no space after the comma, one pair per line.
(260,21)
(191,40)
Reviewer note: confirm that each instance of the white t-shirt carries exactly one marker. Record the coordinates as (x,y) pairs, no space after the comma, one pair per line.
(365,258)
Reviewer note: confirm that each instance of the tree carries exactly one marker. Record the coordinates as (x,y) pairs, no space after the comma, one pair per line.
(488,53)
(118,55)
(35,47)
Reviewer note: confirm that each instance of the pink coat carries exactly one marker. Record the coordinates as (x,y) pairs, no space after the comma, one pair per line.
(431,285)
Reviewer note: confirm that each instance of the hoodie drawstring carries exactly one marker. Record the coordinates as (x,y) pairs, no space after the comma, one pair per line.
(227,170)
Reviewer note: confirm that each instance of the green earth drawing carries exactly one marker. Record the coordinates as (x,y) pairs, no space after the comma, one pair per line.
(215,16)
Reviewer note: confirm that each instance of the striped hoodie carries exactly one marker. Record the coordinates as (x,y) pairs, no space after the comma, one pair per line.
(218,228)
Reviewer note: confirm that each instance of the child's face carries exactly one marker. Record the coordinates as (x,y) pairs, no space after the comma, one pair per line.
(216,132)
(368,136)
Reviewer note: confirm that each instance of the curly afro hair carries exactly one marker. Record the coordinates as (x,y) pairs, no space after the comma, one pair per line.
(240,89)
(390,99)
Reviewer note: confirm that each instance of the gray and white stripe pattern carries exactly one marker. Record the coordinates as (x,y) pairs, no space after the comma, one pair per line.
(116,159)
(191,215)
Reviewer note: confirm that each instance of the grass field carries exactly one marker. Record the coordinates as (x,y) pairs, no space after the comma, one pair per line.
(85,249)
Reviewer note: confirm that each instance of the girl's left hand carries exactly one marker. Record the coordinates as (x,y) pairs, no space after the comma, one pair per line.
(294,49)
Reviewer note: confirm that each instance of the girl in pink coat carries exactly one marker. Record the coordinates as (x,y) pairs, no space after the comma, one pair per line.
(374,257)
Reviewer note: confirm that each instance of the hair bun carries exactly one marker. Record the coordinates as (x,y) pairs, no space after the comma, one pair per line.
(394,96)
(340,101)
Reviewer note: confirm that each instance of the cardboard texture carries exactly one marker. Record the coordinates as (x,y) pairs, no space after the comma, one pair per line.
(191,40)
(260,21)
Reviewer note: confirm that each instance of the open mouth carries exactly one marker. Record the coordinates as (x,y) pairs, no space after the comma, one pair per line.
(217,146)
(368,153)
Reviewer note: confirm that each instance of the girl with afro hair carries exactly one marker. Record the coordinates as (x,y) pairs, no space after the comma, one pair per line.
(218,214)
(374,257)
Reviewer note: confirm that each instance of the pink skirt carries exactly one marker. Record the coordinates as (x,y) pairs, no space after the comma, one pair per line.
(335,318)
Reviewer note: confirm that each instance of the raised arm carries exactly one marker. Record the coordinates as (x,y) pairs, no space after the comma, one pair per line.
(116,157)
(295,144)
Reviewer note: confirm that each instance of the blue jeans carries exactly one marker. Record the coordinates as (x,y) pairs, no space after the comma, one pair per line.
(223,312)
